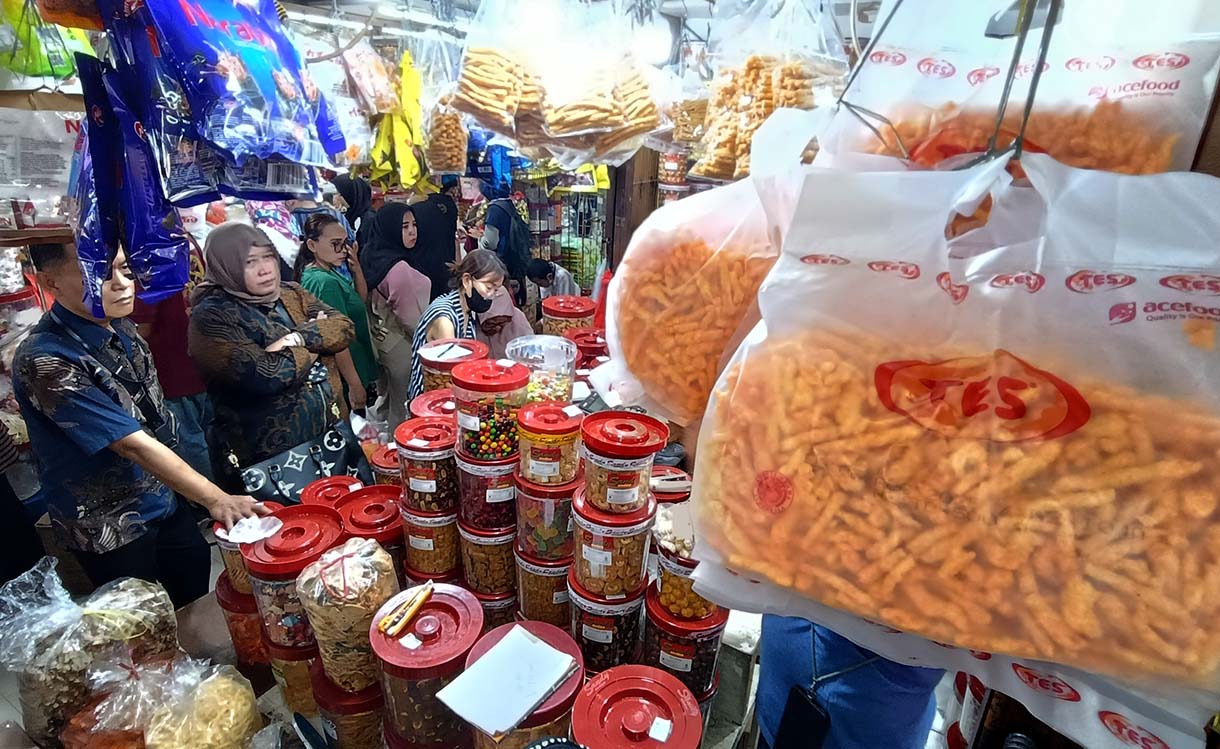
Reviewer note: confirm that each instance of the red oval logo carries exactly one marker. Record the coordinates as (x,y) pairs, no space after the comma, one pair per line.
(1082,65)
(1088,281)
(956,291)
(1026,68)
(980,75)
(825,260)
(1162,61)
(996,397)
(772,491)
(936,67)
(1129,733)
(909,271)
(1028,280)
(1047,684)
(890,57)
(1201,284)
(981,655)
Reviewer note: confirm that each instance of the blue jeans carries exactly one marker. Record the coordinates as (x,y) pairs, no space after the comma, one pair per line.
(884,704)
(194,415)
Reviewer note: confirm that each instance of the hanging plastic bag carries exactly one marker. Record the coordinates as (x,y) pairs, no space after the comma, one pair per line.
(490,86)
(38,48)
(331,77)
(1008,451)
(76,14)
(447,140)
(371,76)
(97,238)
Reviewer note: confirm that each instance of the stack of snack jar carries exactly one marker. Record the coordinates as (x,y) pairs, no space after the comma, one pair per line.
(590,345)
(687,648)
(230,553)
(561,313)
(351,720)
(551,718)
(439,358)
(434,403)
(498,609)
(384,463)
(488,395)
(429,478)
(548,436)
(552,364)
(619,448)
(373,512)
(329,490)
(422,659)
(636,707)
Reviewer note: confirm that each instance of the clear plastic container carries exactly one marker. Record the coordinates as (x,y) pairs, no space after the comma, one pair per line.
(373,512)
(708,701)
(488,395)
(552,364)
(487,559)
(616,709)
(686,648)
(619,447)
(608,631)
(421,660)
(497,609)
(435,403)
(548,437)
(230,553)
(611,550)
(329,490)
(290,667)
(562,313)
(542,589)
(350,720)
(384,462)
(274,563)
(438,359)
(429,478)
(673,535)
(243,622)
(553,717)
(590,344)
(487,492)
(433,544)
(544,518)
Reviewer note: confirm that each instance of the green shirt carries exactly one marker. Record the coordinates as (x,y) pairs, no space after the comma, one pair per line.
(340,293)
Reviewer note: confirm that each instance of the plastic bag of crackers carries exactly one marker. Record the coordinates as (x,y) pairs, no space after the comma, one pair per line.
(491,81)
(1012,451)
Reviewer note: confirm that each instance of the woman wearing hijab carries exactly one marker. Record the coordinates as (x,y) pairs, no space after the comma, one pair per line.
(398,295)
(437,248)
(358,195)
(476,280)
(502,323)
(255,341)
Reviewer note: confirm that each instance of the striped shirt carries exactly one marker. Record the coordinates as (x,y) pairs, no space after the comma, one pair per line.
(446,305)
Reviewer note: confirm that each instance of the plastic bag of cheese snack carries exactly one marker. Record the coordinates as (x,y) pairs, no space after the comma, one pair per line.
(1011,451)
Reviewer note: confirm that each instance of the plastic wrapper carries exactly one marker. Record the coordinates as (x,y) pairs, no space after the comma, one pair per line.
(341,592)
(1012,451)
(96,231)
(332,79)
(491,81)
(50,641)
(371,77)
(35,47)
(77,14)
(218,711)
(447,139)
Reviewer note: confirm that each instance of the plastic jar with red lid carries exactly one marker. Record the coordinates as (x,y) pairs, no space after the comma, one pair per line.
(243,622)
(329,490)
(488,394)
(590,344)
(706,701)
(636,707)
(421,660)
(542,589)
(544,518)
(230,553)
(487,559)
(384,463)
(426,447)
(486,492)
(351,720)
(290,667)
(433,543)
(553,716)
(686,648)
(498,609)
(415,577)
(274,563)
(552,364)
(619,450)
(373,512)
(673,538)
(670,484)
(434,404)
(562,313)
(438,358)
(548,436)
(611,550)
(608,630)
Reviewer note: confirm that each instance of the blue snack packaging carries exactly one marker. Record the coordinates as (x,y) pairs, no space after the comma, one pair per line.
(96,230)
(247,87)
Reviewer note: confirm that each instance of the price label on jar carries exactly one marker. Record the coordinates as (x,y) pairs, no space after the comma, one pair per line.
(422,480)
(501,489)
(677,657)
(468,418)
(420,543)
(597,556)
(544,461)
(598,630)
(560,597)
(622,487)
(328,727)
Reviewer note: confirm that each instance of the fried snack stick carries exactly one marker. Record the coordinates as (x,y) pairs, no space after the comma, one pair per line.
(489,88)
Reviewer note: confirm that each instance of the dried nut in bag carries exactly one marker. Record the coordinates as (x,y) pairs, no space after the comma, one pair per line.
(611,549)
(374,513)
(341,592)
(487,559)
(429,475)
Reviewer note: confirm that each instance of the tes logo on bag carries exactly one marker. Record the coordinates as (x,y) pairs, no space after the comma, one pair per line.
(1202,284)
(1129,733)
(1028,280)
(978,76)
(956,291)
(996,397)
(936,67)
(909,271)
(1161,61)
(1094,65)
(890,57)
(822,259)
(1048,684)
(1088,281)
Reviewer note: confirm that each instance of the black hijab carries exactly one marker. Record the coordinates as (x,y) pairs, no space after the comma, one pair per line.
(437,218)
(359,198)
(385,248)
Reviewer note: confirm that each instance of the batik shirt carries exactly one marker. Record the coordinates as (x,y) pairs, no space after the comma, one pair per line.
(75,409)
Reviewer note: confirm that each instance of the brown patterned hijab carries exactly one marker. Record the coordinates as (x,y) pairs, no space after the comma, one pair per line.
(225,255)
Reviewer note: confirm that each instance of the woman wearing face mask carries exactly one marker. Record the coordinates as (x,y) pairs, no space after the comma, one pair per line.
(255,341)
(397,298)
(476,280)
(324,252)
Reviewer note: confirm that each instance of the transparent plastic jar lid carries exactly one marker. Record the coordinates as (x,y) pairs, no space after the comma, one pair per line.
(548,352)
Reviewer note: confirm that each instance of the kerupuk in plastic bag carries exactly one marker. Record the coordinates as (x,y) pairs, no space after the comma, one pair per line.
(1010,451)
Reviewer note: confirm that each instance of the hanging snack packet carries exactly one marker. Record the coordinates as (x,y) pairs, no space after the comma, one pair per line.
(76,14)
(96,233)
(35,47)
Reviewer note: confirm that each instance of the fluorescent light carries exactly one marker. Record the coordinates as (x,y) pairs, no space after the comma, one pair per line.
(324,20)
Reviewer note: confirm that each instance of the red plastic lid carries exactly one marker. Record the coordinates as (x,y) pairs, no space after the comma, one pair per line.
(434,403)
(690,628)
(548,491)
(284,653)
(586,510)
(549,417)
(372,512)
(385,458)
(560,701)
(490,376)
(427,434)
(232,601)
(309,531)
(568,307)
(495,600)
(219,528)
(665,472)
(619,706)
(436,641)
(589,341)
(329,490)
(27,292)
(453,577)
(622,434)
(456,351)
(336,701)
